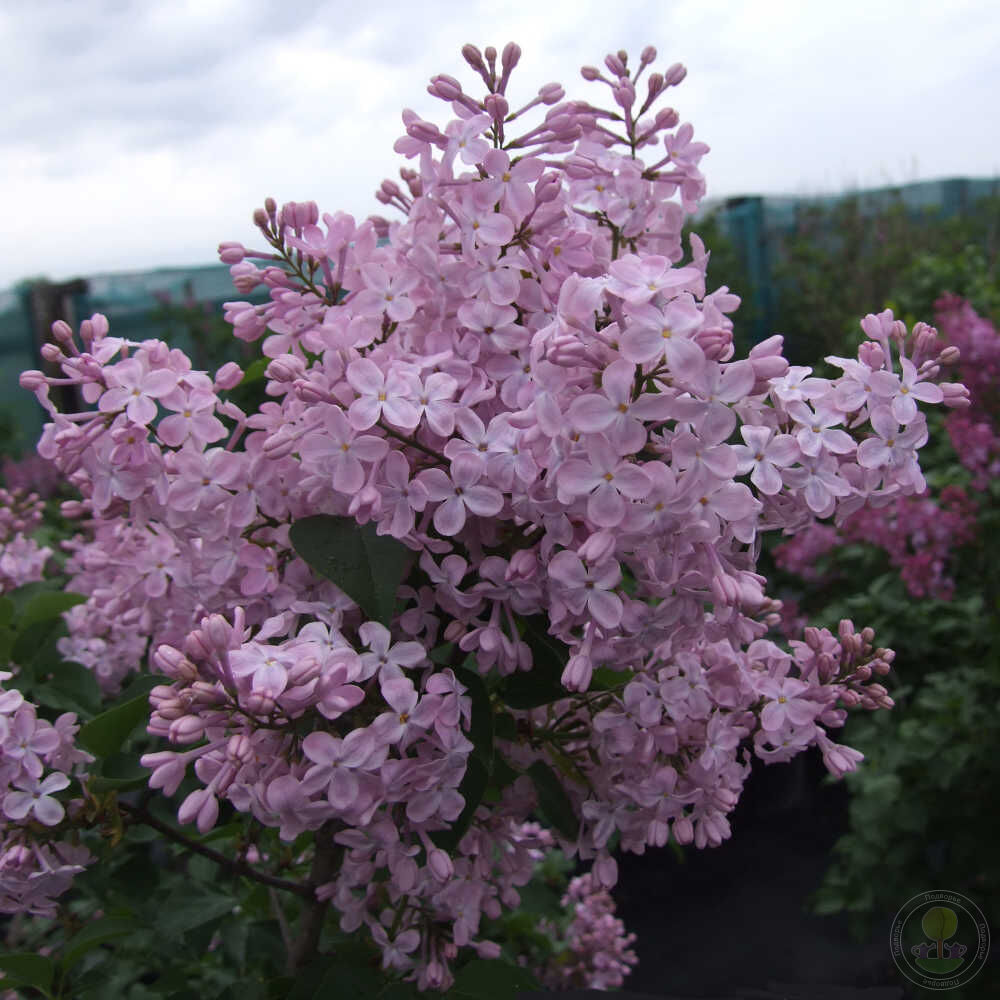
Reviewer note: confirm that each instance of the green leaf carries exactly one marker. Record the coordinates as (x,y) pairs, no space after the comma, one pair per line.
(483,979)
(26,969)
(184,910)
(255,371)
(481,725)
(93,936)
(22,596)
(554,805)
(48,605)
(471,789)
(548,654)
(368,567)
(71,687)
(121,771)
(606,679)
(6,611)
(532,688)
(36,643)
(105,734)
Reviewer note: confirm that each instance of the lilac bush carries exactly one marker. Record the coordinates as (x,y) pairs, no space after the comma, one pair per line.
(487,549)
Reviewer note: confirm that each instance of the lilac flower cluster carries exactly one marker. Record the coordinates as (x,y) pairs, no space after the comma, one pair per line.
(22,559)
(598,952)
(974,432)
(523,384)
(34,869)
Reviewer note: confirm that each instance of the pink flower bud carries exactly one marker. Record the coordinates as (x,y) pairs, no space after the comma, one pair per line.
(551,93)
(186,729)
(523,565)
(647,55)
(440,864)
(173,663)
(232,253)
(446,87)
(606,871)
(474,58)
(286,368)
(240,749)
(577,673)
(52,353)
(510,56)
(675,74)
(949,356)
(615,64)
(202,807)
(228,376)
(590,73)
(32,380)
(955,396)
(487,949)
(597,547)
(258,704)
(683,830)
(62,331)
(454,631)
(496,107)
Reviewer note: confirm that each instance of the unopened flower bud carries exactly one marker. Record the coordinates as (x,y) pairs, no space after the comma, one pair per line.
(666,118)
(510,56)
(286,368)
(674,75)
(474,58)
(956,396)
(32,380)
(62,331)
(590,73)
(232,253)
(440,864)
(624,94)
(239,749)
(228,377)
(949,356)
(260,219)
(496,107)
(616,64)
(605,870)
(577,673)
(218,631)
(597,547)
(446,87)
(454,631)
(52,353)
(548,187)
(257,703)
(647,55)
(551,93)
(186,729)
(173,663)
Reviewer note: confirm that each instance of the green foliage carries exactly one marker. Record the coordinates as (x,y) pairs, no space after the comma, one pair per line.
(844,260)
(368,567)
(921,804)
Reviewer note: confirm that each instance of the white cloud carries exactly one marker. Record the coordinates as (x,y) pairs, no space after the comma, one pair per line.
(136,135)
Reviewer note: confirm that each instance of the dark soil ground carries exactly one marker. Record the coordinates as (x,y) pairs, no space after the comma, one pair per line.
(732,921)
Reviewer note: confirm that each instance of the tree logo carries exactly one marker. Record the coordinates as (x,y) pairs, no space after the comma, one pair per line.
(939,940)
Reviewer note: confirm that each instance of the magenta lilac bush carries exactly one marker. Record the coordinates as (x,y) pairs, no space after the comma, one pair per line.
(522,393)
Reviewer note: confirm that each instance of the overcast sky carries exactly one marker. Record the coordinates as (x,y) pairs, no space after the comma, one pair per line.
(141,134)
